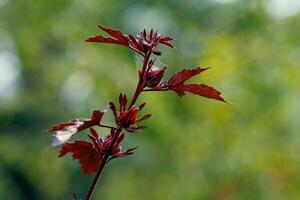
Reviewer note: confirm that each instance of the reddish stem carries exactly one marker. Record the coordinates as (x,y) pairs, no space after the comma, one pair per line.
(103,162)
(107,126)
(138,90)
(141,83)
(155,89)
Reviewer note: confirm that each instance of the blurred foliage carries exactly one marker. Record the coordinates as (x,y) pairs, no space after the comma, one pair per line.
(194,148)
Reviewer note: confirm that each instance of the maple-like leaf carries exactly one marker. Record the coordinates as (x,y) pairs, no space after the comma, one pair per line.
(199,89)
(117,37)
(90,154)
(64,131)
(85,153)
(176,83)
(182,76)
(115,34)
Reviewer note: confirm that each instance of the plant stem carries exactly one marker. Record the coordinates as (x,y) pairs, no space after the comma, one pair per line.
(141,82)
(138,90)
(107,126)
(103,162)
(155,90)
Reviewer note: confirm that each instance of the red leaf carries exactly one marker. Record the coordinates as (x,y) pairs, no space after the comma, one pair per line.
(135,44)
(117,148)
(167,44)
(117,37)
(115,34)
(99,38)
(176,83)
(94,133)
(201,90)
(127,152)
(142,106)
(184,75)
(166,41)
(85,153)
(145,117)
(95,139)
(95,119)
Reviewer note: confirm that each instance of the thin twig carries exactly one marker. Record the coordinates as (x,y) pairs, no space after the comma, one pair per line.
(155,90)
(107,126)
(140,85)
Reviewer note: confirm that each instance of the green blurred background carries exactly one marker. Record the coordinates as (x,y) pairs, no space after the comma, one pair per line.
(194,148)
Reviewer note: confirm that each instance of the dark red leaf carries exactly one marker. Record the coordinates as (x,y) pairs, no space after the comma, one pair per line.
(94,133)
(121,101)
(136,128)
(135,44)
(99,38)
(127,152)
(154,76)
(124,101)
(145,117)
(142,106)
(201,90)
(129,117)
(96,118)
(184,75)
(95,138)
(84,152)
(167,44)
(166,41)
(119,139)
(115,34)
(113,108)
(151,34)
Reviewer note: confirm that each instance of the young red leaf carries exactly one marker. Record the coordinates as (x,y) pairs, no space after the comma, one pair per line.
(133,129)
(176,83)
(85,153)
(115,34)
(201,90)
(135,44)
(99,38)
(141,44)
(154,76)
(113,108)
(94,133)
(118,37)
(117,148)
(166,41)
(142,106)
(95,119)
(128,118)
(90,154)
(184,75)
(125,153)
(145,117)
